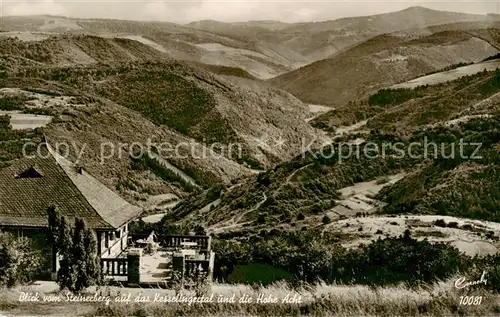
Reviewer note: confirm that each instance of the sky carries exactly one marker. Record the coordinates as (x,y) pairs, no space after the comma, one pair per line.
(185,11)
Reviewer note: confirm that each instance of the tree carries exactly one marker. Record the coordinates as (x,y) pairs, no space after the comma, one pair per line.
(64,248)
(264,179)
(77,247)
(93,263)
(85,261)
(54,224)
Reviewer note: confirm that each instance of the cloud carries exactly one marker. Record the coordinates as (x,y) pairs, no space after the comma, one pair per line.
(223,11)
(33,7)
(226,11)
(305,14)
(155,11)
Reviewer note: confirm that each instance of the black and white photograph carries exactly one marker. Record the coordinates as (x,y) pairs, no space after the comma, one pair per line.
(249,158)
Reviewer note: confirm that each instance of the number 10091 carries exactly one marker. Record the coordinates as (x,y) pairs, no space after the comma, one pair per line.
(471,300)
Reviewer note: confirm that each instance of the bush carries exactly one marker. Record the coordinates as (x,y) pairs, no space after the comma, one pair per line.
(393,96)
(19,262)
(440,223)
(301,216)
(264,179)
(311,257)
(214,192)
(394,260)
(326,220)
(256,273)
(382,180)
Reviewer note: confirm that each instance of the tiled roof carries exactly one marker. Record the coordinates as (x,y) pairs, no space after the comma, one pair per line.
(25,197)
(109,205)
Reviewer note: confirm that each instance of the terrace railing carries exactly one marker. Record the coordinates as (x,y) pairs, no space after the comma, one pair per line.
(187,242)
(192,267)
(201,243)
(114,266)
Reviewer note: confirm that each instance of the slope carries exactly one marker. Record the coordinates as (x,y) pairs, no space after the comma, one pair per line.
(263,48)
(314,188)
(246,120)
(381,62)
(320,40)
(110,141)
(261,59)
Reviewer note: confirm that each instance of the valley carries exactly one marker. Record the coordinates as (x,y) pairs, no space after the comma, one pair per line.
(349,153)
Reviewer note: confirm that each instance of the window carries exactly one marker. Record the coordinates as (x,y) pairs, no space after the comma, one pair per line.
(106,240)
(118,233)
(31,172)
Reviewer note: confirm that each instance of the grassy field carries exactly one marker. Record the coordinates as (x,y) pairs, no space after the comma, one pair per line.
(441,299)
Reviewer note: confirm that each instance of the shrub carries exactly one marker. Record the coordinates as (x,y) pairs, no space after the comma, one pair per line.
(382,180)
(440,223)
(19,262)
(393,96)
(301,216)
(264,179)
(326,220)
(257,273)
(214,192)
(393,260)
(468,227)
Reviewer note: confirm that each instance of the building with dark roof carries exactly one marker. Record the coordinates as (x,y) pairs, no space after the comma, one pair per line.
(29,186)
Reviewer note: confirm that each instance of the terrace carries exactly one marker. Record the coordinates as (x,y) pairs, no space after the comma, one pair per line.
(173,258)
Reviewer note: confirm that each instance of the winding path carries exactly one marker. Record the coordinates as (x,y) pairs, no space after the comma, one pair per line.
(234,221)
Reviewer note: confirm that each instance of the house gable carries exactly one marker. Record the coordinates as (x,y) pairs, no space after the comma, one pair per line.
(29,186)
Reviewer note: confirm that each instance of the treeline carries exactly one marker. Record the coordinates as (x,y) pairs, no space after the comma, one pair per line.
(388,108)
(14,102)
(453,98)
(12,141)
(160,91)
(145,162)
(453,66)
(463,184)
(394,96)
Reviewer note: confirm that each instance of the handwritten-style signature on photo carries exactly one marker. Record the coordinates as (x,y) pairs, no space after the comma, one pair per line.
(463,283)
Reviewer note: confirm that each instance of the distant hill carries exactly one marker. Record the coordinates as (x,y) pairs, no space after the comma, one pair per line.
(232,46)
(264,49)
(319,40)
(380,62)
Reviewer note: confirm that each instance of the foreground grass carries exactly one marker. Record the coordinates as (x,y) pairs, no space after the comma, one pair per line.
(440,299)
